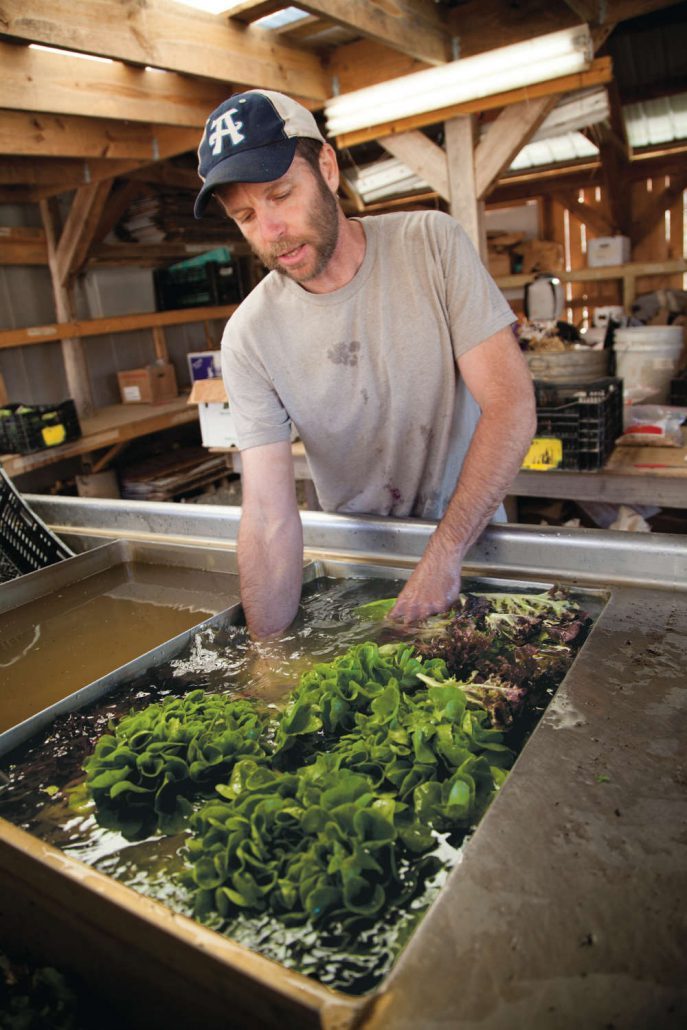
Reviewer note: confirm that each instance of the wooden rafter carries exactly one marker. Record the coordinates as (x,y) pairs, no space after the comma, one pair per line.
(414,27)
(591,216)
(162,34)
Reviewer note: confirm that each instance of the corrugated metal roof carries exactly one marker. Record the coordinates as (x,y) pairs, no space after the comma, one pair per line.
(571,146)
(656,121)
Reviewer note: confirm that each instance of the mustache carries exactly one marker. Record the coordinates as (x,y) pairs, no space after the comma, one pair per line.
(284,248)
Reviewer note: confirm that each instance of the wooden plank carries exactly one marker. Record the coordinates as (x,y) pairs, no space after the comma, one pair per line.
(33,80)
(170,36)
(423,157)
(32,134)
(599,73)
(415,28)
(505,137)
(114,324)
(461,176)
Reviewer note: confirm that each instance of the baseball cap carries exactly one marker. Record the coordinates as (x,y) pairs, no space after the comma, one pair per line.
(251,137)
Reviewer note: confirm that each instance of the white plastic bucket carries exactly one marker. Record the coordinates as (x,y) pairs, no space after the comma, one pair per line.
(646,359)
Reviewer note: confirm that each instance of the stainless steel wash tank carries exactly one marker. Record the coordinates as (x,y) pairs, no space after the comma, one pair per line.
(565,909)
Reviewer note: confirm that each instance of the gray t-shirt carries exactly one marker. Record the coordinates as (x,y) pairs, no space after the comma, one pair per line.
(368,372)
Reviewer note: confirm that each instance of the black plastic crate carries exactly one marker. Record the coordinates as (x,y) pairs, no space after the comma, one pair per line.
(212,283)
(586,417)
(678,390)
(26,543)
(35,427)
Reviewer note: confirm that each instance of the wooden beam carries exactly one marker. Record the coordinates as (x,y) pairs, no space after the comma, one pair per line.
(167,175)
(599,73)
(586,10)
(415,27)
(33,80)
(75,240)
(163,34)
(461,175)
(114,324)
(505,137)
(591,216)
(656,209)
(31,134)
(19,246)
(67,174)
(253,10)
(423,157)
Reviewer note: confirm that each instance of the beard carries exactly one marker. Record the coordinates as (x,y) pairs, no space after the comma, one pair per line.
(322,233)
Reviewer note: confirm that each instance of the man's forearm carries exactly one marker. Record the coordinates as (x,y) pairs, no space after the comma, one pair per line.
(270,557)
(494,457)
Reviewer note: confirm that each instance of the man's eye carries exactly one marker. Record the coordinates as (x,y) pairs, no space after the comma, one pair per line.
(282,196)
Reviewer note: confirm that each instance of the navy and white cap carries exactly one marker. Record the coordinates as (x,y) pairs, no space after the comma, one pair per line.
(251,137)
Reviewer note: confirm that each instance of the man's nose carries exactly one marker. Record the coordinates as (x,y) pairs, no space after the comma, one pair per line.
(272,225)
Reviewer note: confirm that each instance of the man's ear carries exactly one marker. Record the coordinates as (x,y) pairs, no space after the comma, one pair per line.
(329,167)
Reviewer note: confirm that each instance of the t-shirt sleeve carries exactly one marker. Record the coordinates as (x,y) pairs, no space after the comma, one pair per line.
(259,416)
(476,307)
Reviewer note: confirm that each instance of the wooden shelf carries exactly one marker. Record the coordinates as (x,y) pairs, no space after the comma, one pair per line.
(628,273)
(114,324)
(108,427)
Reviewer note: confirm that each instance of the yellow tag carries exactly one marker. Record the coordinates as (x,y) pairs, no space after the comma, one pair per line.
(53,435)
(546,452)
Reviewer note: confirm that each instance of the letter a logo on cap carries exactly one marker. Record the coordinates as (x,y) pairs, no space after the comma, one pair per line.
(224,126)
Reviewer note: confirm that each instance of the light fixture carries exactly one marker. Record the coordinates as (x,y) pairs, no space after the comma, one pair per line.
(469,78)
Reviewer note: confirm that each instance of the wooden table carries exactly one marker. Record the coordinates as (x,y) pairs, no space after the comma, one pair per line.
(109,428)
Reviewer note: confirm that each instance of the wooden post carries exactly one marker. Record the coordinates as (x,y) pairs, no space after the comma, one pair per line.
(160,342)
(73,353)
(461,177)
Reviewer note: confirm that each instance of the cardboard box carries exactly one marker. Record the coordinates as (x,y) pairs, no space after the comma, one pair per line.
(608,250)
(154,384)
(541,256)
(216,420)
(498,263)
(204,364)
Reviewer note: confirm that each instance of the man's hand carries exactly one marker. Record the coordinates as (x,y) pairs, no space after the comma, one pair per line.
(432,588)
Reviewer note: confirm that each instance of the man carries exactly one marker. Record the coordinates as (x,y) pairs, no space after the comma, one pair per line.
(386,343)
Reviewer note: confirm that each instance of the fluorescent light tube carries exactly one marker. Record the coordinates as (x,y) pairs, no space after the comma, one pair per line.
(470,78)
